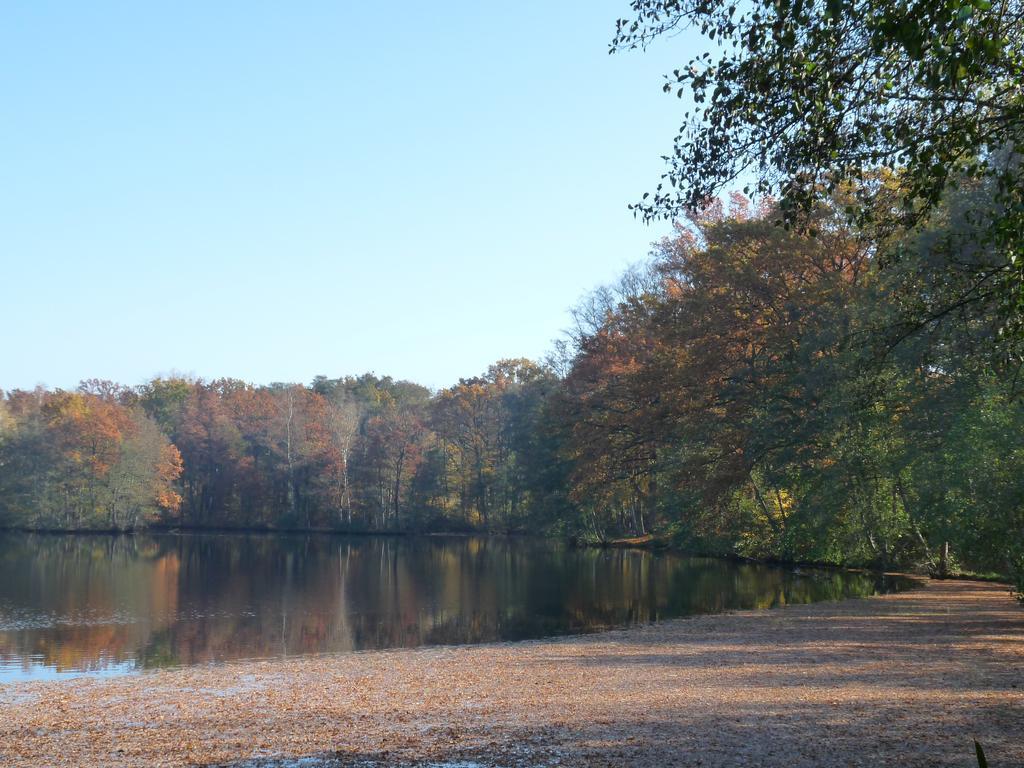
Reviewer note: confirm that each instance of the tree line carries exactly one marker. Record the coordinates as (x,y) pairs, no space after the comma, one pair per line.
(750,390)
(761,391)
(355,453)
(844,384)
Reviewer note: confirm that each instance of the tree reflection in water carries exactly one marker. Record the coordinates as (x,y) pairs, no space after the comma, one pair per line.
(94,604)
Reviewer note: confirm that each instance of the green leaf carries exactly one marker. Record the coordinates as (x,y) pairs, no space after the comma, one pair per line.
(982,762)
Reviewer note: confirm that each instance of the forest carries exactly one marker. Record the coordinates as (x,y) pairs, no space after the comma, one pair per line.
(750,390)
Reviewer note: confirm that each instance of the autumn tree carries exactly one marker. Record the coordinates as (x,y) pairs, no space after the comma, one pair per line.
(484,427)
(343,419)
(84,460)
(708,386)
(393,450)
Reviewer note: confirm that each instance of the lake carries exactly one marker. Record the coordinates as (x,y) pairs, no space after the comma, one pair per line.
(100,605)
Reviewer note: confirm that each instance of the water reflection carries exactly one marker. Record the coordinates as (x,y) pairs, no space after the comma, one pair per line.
(99,604)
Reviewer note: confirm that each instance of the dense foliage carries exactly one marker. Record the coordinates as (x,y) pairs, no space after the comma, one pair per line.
(900,101)
(752,397)
(363,453)
(850,391)
(72,460)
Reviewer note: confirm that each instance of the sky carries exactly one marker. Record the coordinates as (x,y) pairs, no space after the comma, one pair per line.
(271,191)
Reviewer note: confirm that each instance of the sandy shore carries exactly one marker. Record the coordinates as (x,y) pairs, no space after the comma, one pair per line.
(902,680)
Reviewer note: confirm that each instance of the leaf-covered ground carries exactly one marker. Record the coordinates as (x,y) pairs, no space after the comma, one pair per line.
(908,679)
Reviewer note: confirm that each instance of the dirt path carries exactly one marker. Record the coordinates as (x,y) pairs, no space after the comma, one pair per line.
(903,680)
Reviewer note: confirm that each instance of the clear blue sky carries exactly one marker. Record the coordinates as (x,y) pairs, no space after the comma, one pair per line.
(275,190)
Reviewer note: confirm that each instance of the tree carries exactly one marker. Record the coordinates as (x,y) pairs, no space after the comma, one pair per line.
(300,441)
(212,451)
(900,102)
(6,422)
(140,486)
(394,444)
(344,417)
(164,401)
(84,460)
(484,428)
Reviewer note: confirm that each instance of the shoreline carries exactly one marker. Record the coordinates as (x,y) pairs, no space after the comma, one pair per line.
(643,544)
(908,679)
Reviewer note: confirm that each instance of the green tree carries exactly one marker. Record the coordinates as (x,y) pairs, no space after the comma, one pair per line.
(902,102)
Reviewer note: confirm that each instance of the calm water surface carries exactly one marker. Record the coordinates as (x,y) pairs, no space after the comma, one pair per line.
(112,605)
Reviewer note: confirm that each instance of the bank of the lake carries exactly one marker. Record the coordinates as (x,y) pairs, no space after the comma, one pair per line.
(905,679)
